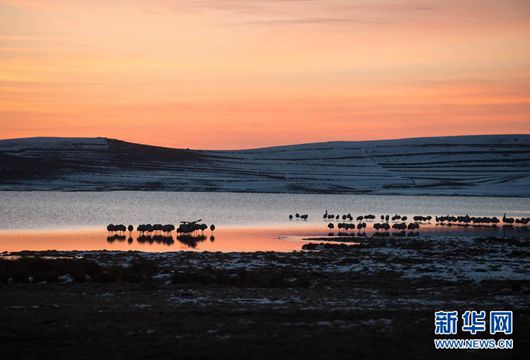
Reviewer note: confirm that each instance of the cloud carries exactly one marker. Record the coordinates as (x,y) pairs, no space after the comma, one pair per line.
(311,20)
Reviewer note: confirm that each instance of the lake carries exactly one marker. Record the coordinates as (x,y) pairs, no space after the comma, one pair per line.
(244,221)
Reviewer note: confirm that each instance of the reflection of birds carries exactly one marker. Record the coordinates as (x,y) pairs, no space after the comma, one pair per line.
(212,238)
(156,238)
(115,237)
(191,240)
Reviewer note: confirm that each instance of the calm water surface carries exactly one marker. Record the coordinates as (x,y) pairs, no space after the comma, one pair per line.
(245,222)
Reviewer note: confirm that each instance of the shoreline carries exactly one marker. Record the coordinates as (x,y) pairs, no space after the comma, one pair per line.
(316,193)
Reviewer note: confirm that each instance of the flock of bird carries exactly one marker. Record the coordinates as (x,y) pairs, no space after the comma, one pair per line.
(450,219)
(187,230)
(401,224)
(298,216)
(377,226)
(186,227)
(348,226)
(361,225)
(348,216)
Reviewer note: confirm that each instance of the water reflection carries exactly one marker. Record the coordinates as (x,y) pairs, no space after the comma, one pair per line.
(345,233)
(115,237)
(190,240)
(226,239)
(155,239)
(230,238)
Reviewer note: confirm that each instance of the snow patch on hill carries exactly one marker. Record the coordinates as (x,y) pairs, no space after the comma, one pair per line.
(497,165)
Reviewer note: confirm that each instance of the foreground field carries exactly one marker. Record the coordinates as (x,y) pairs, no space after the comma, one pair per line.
(373,300)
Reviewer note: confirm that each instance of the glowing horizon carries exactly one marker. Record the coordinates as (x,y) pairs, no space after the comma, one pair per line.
(252,73)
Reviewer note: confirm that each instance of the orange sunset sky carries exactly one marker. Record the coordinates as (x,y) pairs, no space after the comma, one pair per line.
(224,74)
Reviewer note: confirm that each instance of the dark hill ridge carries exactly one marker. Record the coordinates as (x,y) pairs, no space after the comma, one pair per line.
(497,165)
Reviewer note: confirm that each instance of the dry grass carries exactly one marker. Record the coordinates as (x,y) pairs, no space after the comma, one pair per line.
(38,269)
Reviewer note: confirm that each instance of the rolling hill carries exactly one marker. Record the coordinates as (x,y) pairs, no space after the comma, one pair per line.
(497,165)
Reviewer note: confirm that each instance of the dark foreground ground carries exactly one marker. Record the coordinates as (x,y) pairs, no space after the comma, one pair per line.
(375,300)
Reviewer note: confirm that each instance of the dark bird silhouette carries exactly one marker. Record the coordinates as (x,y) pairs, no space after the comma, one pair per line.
(507,220)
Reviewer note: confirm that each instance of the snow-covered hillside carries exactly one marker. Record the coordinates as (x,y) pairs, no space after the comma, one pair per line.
(462,165)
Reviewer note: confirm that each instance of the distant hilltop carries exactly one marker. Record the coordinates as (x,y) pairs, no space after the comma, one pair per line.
(494,165)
